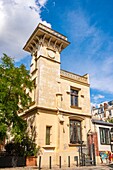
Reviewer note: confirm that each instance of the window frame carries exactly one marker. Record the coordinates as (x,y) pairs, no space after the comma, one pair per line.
(104,136)
(35,60)
(74,97)
(74,130)
(48,138)
(110,113)
(34,90)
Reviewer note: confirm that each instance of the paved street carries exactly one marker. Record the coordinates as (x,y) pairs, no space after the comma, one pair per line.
(102,167)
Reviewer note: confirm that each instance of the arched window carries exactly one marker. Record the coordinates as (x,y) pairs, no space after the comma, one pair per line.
(75,131)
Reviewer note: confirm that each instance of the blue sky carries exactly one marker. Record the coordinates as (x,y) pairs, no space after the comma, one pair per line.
(88,24)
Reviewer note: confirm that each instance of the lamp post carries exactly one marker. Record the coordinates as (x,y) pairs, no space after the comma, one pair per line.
(81,152)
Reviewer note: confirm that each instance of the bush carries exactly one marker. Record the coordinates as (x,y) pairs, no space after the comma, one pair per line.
(26,148)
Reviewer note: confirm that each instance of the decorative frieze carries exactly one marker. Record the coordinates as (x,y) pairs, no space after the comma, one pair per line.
(48,43)
(52,32)
(73,76)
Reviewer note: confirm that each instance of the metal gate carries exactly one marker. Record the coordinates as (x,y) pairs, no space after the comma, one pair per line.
(87,155)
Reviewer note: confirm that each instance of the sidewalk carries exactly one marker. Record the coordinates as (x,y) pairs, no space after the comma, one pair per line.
(100,167)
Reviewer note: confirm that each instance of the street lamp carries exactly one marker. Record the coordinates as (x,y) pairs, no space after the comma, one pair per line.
(81,152)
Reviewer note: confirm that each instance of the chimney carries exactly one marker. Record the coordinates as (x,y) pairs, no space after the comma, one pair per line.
(105,106)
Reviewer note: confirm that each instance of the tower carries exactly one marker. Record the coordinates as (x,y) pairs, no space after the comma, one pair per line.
(45,46)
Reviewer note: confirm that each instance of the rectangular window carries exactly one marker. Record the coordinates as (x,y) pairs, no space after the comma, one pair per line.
(101,109)
(104,136)
(111,136)
(110,114)
(35,55)
(75,131)
(34,90)
(48,129)
(74,97)
(111,148)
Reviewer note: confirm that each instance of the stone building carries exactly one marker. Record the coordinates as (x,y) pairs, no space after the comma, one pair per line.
(104,111)
(101,135)
(60,116)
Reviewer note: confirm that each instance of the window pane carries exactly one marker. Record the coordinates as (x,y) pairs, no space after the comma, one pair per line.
(74,97)
(110,113)
(104,136)
(75,131)
(76,100)
(48,135)
(79,132)
(107,134)
(72,103)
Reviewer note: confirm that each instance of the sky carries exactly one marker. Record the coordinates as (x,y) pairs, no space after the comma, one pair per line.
(88,24)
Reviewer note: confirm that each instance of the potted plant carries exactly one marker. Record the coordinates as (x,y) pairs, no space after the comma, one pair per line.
(31,152)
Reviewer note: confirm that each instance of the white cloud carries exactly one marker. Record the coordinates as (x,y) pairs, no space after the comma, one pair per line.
(18,19)
(42,2)
(92,51)
(54,3)
(96,97)
(96,100)
(94,105)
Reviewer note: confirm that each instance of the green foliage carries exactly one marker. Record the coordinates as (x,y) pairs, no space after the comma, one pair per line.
(3,129)
(110,120)
(13,81)
(26,147)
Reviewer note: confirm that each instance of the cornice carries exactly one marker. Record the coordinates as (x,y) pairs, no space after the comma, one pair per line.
(42,35)
(37,109)
(74,77)
(70,113)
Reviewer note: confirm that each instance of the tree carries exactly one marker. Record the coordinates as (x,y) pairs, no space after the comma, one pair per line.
(13,82)
(110,120)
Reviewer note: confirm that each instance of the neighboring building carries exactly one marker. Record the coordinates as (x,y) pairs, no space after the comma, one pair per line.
(109,110)
(60,115)
(101,136)
(99,112)
(104,112)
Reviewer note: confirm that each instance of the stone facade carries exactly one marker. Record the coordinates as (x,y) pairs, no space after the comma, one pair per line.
(104,111)
(60,116)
